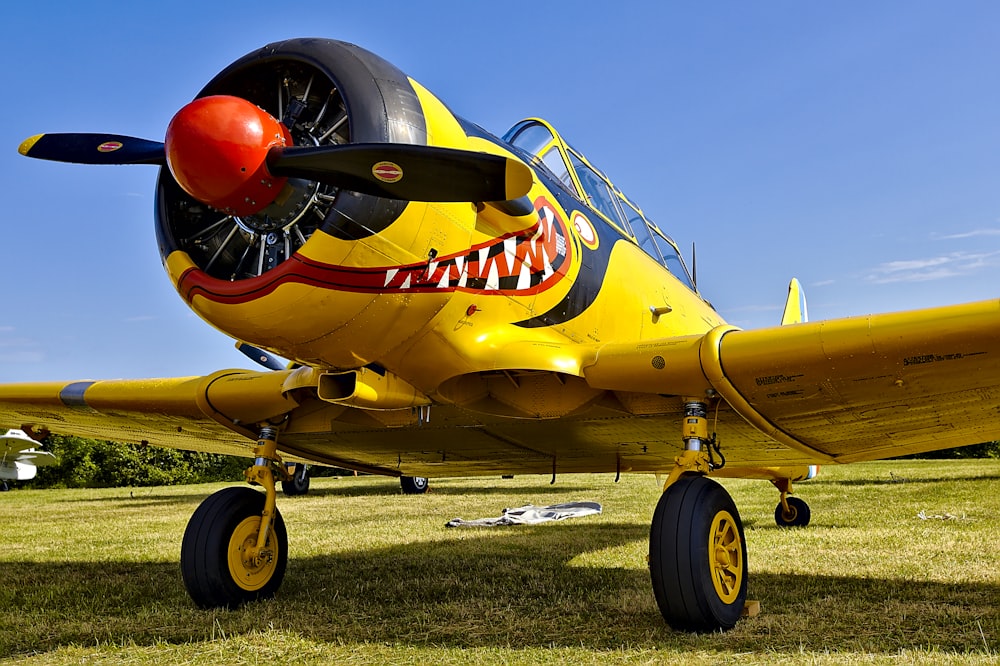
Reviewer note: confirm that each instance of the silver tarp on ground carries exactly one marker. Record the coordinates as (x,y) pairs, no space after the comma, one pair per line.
(530,514)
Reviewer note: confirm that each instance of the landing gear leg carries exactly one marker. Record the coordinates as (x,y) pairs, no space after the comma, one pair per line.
(235,547)
(697,550)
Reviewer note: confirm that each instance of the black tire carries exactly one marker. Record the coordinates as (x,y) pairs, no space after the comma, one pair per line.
(299,485)
(413,485)
(698,587)
(798,515)
(214,573)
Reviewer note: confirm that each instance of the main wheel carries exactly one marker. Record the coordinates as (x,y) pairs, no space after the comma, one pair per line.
(698,556)
(413,485)
(299,485)
(797,516)
(216,570)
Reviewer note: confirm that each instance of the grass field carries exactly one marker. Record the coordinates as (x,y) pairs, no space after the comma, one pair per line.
(901,564)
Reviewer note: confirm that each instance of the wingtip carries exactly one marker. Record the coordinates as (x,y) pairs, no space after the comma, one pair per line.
(28,143)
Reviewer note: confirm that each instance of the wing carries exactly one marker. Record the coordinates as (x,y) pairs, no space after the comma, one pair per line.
(834,391)
(870,387)
(192,413)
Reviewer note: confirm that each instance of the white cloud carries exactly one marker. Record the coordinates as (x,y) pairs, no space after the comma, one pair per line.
(954,264)
(22,356)
(966,234)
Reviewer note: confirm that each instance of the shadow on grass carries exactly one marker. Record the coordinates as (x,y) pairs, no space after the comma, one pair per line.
(508,589)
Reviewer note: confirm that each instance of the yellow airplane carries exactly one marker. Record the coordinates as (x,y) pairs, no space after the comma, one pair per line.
(457,304)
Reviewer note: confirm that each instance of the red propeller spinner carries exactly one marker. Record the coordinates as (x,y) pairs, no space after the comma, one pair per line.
(216,149)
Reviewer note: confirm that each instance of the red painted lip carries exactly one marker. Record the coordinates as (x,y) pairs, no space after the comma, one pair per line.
(522,263)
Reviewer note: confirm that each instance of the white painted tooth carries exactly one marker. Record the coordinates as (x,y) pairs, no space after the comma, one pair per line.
(389,275)
(510,253)
(493,279)
(524,278)
(445,281)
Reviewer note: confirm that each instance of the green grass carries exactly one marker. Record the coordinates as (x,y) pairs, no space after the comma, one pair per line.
(375,577)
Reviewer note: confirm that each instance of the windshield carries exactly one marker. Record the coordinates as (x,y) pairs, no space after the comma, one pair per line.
(541,142)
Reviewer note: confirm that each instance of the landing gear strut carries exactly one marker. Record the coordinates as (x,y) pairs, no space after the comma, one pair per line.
(697,549)
(235,547)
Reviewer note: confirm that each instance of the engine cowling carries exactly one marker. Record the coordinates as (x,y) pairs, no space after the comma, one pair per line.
(323,92)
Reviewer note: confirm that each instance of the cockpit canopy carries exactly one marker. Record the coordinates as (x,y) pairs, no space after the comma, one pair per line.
(542,145)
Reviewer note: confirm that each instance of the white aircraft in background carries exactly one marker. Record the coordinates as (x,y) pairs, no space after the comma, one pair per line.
(19,460)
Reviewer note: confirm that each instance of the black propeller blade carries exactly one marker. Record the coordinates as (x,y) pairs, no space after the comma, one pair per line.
(260,356)
(392,170)
(82,148)
(405,171)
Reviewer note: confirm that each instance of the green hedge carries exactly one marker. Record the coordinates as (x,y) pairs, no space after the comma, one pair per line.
(89,463)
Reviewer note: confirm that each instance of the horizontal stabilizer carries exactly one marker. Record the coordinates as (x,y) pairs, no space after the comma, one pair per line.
(36,458)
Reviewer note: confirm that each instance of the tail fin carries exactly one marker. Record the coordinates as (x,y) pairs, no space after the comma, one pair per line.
(795,305)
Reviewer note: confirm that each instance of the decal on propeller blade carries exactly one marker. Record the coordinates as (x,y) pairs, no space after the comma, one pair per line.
(387,172)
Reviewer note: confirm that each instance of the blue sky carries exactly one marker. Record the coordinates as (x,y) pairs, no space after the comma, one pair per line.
(855,145)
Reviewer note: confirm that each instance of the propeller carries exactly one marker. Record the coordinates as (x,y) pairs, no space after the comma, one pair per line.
(259,356)
(232,155)
(406,171)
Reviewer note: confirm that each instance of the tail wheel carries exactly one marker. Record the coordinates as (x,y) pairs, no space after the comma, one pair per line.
(798,513)
(698,556)
(215,565)
(414,485)
(299,485)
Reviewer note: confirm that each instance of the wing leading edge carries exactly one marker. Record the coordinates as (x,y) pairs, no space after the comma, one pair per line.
(871,387)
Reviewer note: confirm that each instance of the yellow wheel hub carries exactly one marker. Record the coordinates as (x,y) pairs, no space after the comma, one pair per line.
(725,552)
(250,573)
